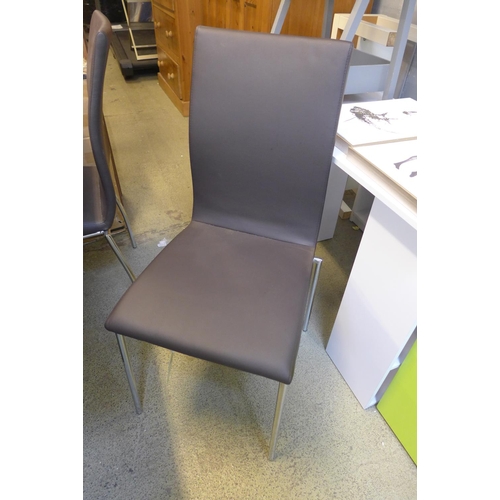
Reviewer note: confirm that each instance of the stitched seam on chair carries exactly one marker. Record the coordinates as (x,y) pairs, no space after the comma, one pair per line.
(253,234)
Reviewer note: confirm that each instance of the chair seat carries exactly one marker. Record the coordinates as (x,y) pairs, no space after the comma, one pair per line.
(94,202)
(224,296)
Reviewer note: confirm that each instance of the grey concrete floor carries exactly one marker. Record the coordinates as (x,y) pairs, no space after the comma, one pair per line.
(205,428)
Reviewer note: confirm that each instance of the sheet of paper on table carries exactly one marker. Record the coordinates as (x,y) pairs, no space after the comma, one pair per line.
(378,122)
(397,160)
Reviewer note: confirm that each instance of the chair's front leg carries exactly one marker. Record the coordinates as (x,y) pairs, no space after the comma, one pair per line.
(277,419)
(130,375)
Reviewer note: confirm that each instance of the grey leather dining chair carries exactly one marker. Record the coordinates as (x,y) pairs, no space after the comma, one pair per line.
(99,196)
(233,287)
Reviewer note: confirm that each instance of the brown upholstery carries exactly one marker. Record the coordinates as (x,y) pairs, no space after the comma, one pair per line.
(232,287)
(263,119)
(99,197)
(222,295)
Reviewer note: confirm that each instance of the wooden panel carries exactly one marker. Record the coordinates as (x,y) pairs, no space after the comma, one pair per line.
(305,17)
(257,15)
(167,4)
(235,14)
(347,5)
(189,16)
(217,13)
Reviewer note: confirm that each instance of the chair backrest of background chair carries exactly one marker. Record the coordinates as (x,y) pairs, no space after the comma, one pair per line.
(263,118)
(98,50)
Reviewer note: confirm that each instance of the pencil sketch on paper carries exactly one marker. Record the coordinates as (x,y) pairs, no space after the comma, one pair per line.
(397,160)
(367,116)
(377,122)
(412,170)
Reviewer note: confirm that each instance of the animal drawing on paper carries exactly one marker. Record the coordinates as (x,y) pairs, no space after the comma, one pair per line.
(366,116)
(377,120)
(407,166)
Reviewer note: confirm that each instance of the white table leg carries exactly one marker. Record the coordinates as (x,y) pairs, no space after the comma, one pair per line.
(378,313)
(334,195)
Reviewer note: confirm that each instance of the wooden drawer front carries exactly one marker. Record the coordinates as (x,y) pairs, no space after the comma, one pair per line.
(170,72)
(167,4)
(166,32)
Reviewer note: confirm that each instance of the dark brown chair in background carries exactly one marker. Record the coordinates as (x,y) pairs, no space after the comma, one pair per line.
(99,196)
(234,287)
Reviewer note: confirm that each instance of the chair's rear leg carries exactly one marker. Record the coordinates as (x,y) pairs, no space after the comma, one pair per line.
(277,419)
(127,223)
(118,253)
(312,291)
(130,375)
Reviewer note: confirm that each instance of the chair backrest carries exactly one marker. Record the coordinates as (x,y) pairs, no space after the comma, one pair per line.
(98,49)
(264,112)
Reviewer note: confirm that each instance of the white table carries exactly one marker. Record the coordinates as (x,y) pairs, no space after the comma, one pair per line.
(377,319)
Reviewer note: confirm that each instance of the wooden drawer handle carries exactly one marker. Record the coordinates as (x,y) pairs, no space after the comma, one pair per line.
(157,24)
(169,34)
(170,76)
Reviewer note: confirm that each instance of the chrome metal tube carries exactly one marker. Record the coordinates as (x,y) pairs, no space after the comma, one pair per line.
(118,253)
(99,233)
(130,375)
(312,291)
(277,420)
(127,223)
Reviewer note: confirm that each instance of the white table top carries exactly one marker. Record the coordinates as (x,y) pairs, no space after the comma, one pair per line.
(382,186)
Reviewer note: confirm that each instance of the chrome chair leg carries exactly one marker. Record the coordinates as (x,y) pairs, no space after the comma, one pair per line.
(277,419)
(130,375)
(312,291)
(119,254)
(127,223)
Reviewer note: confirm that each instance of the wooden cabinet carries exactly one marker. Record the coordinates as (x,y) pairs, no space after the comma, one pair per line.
(175,22)
(252,15)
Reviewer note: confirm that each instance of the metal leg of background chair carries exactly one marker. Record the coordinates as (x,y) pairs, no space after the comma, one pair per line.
(277,419)
(127,223)
(130,375)
(312,290)
(118,253)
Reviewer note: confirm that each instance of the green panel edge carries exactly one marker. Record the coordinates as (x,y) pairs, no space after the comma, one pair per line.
(398,405)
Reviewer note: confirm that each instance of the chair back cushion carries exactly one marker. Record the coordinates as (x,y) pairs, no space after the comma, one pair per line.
(264,111)
(98,49)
